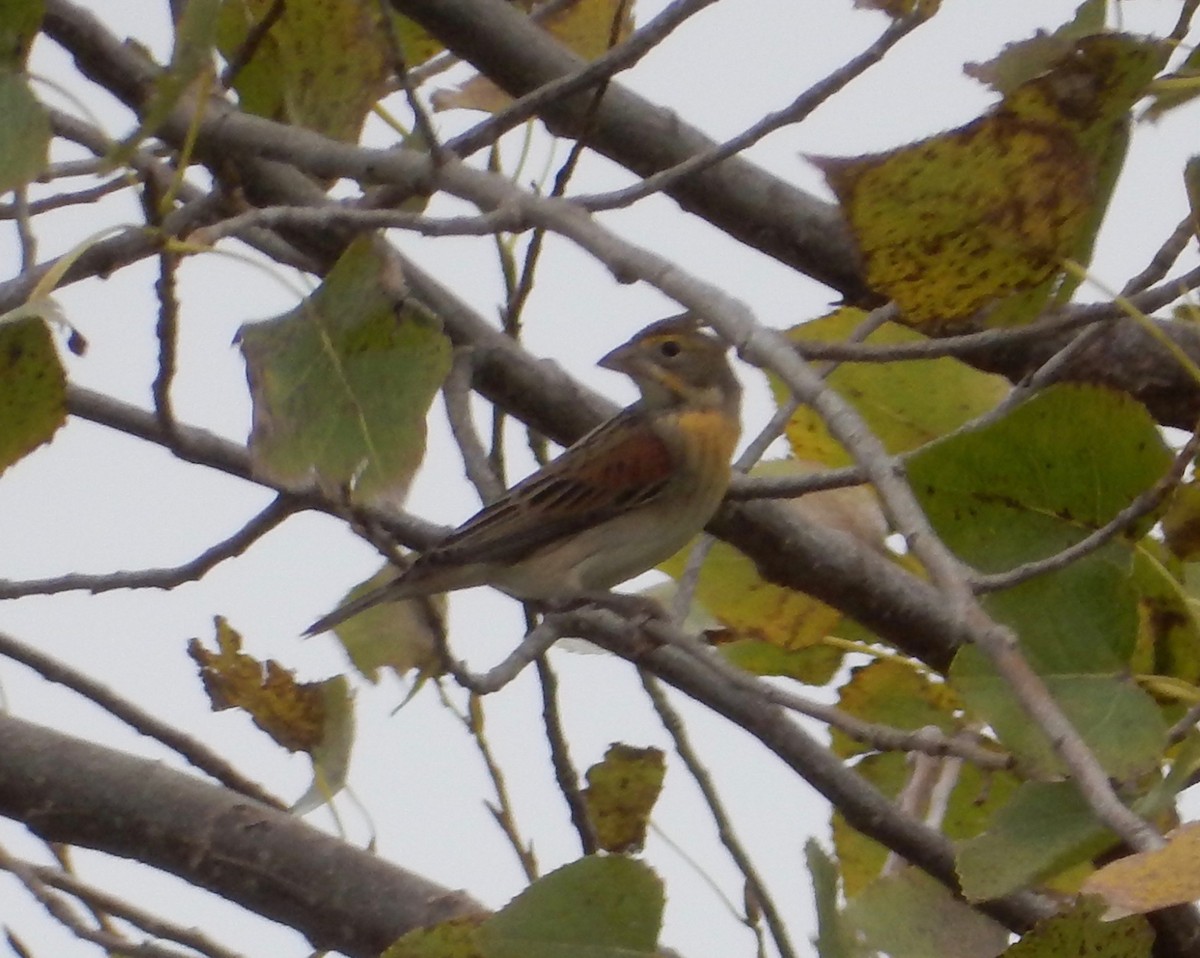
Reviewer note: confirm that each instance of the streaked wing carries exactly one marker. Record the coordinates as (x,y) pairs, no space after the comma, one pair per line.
(609,471)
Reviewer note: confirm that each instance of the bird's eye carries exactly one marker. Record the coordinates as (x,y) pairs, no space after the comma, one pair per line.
(669,348)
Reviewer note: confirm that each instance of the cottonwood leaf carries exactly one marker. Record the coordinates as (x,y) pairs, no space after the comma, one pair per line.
(597,907)
(32,388)
(341,385)
(620,795)
(905,404)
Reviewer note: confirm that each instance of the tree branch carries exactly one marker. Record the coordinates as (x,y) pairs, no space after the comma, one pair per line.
(339,897)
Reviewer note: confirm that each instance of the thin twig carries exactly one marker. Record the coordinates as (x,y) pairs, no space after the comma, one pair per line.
(502,812)
(255,36)
(25,234)
(456,392)
(795,112)
(1162,261)
(102,901)
(620,57)
(166,328)
(560,759)
(62,912)
(675,728)
(190,571)
(421,119)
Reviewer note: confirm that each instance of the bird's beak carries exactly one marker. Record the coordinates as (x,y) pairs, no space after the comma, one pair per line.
(620,360)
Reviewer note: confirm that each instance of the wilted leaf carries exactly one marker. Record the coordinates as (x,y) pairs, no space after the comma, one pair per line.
(1001,202)
(312,717)
(905,404)
(911,915)
(341,384)
(291,712)
(603,906)
(1146,881)
(1081,931)
(322,65)
(585,27)
(402,636)
(331,756)
(32,388)
(621,793)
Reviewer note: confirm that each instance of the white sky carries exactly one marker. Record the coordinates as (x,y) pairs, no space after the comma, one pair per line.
(95,501)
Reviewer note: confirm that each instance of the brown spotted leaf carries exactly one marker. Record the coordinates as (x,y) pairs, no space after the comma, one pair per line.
(986,215)
(621,793)
(291,712)
(32,388)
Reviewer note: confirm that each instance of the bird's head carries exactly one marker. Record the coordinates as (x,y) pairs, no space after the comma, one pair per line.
(674,363)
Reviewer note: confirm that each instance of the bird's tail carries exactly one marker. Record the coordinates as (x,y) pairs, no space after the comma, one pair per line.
(388,592)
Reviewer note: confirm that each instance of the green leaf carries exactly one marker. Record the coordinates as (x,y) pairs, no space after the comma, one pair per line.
(457,938)
(1119,722)
(402,636)
(892,693)
(1055,469)
(191,57)
(974,800)
(597,907)
(1026,487)
(322,65)
(25,135)
(620,795)
(910,915)
(834,939)
(905,404)
(814,665)
(20,21)
(341,384)
(1082,931)
(32,388)
(1046,827)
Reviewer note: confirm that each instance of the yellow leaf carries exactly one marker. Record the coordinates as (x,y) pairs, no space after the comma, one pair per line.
(1148,881)
(292,713)
(621,793)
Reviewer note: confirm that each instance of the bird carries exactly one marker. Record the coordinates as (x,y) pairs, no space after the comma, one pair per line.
(625,497)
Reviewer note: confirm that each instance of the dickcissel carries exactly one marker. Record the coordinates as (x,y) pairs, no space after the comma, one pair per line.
(626,496)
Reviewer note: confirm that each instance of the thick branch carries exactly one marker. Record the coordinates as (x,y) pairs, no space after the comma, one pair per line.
(340,897)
